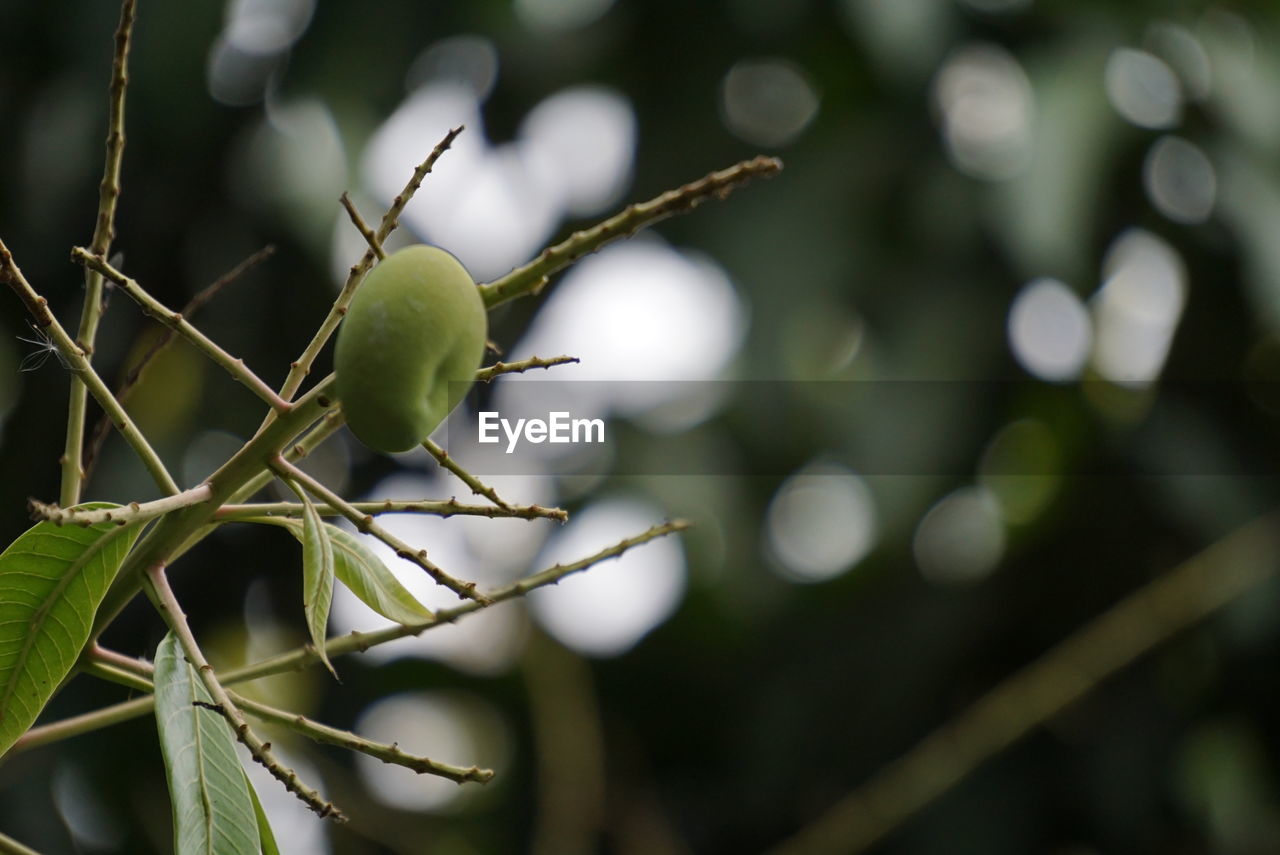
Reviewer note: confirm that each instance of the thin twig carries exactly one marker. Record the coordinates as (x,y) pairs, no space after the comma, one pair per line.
(361,226)
(1131,628)
(336,646)
(299,370)
(175,321)
(365,523)
(323,733)
(486,374)
(170,609)
(9,846)
(445,508)
(133,512)
(103,232)
(362,641)
(477,486)
(532,277)
(78,361)
(135,374)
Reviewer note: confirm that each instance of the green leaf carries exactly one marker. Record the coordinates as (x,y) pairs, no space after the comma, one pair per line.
(265,834)
(317,575)
(213,812)
(52,580)
(363,572)
(357,567)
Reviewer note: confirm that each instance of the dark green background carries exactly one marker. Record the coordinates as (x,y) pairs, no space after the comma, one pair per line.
(760,702)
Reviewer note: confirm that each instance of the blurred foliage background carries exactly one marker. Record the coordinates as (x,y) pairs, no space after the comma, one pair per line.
(1017,297)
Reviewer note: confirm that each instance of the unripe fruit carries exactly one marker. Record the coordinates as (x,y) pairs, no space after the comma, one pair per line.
(409,347)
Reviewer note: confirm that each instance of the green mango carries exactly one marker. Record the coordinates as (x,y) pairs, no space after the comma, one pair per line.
(408,347)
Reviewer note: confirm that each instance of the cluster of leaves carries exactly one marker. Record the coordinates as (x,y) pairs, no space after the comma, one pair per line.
(65,580)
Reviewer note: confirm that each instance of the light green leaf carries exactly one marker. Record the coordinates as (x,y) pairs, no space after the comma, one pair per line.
(369,579)
(357,567)
(317,575)
(265,834)
(52,580)
(212,809)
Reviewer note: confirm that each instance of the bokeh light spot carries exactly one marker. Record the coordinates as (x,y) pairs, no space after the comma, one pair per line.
(1049,330)
(1179,180)
(820,523)
(961,539)
(767,102)
(606,610)
(1143,89)
(986,106)
(1137,309)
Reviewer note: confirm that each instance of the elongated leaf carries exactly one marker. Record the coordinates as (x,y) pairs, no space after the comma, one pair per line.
(363,572)
(212,809)
(265,835)
(52,580)
(357,567)
(317,576)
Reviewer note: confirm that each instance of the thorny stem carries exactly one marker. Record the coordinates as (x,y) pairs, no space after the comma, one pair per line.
(167,604)
(133,512)
(486,375)
(79,362)
(532,277)
(137,674)
(135,374)
(103,232)
(338,645)
(365,523)
(175,321)
(477,486)
(362,641)
(445,508)
(299,370)
(361,226)
(344,739)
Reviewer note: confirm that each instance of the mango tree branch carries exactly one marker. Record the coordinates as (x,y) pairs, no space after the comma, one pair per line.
(338,645)
(175,321)
(136,372)
(103,232)
(477,486)
(133,512)
(299,370)
(171,611)
(439,508)
(323,733)
(176,532)
(487,373)
(362,641)
(532,277)
(364,522)
(79,362)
